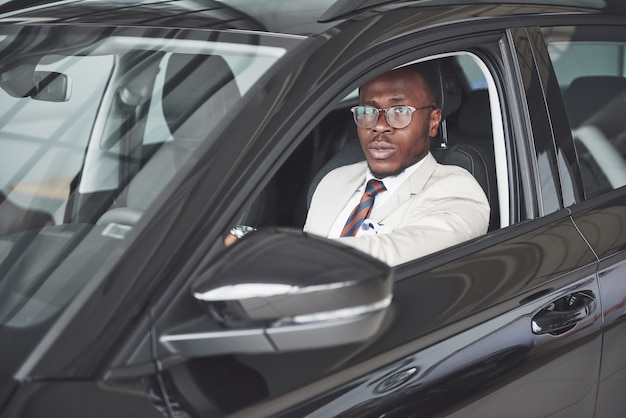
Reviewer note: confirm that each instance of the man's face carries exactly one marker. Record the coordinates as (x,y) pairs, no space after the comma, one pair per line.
(389,151)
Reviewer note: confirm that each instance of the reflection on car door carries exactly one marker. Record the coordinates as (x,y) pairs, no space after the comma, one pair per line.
(593,97)
(604,225)
(514,327)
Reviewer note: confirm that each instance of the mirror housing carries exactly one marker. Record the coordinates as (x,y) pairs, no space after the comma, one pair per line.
(282,290)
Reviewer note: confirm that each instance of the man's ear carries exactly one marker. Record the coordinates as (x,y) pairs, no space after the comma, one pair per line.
(435,118)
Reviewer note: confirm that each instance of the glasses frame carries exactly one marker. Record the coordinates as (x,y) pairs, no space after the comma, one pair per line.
(386,111)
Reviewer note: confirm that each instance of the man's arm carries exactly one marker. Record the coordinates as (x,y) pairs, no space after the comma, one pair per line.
(452,208)
(443,228)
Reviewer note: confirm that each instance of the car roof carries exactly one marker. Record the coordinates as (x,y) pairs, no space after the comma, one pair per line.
(297,17)
(346,8)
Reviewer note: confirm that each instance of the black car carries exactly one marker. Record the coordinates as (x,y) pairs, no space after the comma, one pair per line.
(135,135)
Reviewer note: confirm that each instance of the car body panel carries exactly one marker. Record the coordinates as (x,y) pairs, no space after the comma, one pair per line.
(442,315)
(603,226)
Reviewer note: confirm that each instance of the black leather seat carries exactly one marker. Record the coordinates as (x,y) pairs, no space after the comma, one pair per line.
(586,95)
(595,108)
(197,93)
(472,147)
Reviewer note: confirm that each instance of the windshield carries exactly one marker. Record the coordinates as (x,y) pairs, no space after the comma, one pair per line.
(94,123)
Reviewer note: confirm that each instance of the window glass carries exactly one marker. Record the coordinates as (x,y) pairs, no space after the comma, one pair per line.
(37,134)
(246,69)
(470,136)
(590,67)
(94,124)
(475,77)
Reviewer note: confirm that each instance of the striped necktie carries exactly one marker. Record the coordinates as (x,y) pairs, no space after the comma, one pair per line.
(363,209)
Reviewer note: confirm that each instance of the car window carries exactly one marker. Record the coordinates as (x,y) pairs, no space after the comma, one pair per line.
(37,132)
(589,65)
(94,124)
(470,136)
(246,68)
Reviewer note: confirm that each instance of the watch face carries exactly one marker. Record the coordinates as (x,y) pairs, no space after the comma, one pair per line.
(240,230)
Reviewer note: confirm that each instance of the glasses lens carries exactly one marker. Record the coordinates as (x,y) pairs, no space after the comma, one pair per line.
(399,116)
(365,116)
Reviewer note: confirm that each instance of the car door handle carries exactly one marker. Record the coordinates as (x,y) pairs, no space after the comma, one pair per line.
(564,313)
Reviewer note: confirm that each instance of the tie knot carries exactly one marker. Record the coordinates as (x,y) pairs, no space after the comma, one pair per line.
(374,187)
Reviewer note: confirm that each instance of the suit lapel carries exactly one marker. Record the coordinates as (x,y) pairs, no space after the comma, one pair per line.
(342,193)
(409,188)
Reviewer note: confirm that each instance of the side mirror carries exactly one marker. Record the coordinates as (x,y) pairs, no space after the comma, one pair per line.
(278,291)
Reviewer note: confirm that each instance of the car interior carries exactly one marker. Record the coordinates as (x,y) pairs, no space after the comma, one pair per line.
(141,169)
(189,113)
(465,139)
(595,107)
(590,73)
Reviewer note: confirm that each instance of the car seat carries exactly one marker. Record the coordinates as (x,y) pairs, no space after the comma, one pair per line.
(198,91)
(586,95)
(595,108)
(472,134)
(14,218)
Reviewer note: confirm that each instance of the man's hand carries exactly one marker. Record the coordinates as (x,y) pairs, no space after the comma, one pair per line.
(237,232)
(230,240)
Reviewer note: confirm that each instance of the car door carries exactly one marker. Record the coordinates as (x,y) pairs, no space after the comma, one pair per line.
(593,98)
(505,324)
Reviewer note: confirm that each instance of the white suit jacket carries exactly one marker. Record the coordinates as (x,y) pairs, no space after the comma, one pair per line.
(436,207)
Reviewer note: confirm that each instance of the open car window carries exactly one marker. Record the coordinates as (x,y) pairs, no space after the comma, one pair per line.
(470,136)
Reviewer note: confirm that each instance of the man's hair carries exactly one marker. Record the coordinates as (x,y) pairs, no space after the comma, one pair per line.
(430,73)
(429,70)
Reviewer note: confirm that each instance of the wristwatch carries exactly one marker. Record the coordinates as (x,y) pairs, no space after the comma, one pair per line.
(241,230)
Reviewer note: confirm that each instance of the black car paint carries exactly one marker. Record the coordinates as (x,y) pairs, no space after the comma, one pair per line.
(444,316)
(553,245)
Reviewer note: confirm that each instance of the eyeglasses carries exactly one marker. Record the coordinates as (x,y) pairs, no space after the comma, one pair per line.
(397,117)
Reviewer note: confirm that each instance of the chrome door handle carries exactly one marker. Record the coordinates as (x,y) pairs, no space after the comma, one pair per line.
(564,313)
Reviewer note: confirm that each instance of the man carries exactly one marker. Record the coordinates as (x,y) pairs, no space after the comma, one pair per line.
(419,206)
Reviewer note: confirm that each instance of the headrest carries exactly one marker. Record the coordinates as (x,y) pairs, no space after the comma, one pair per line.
(475,115)
(198,91)
(586,95)
(450,96)
(440,76)
(449,89)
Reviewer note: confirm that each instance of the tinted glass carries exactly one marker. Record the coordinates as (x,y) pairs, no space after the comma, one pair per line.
(589,63)
(94,124)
